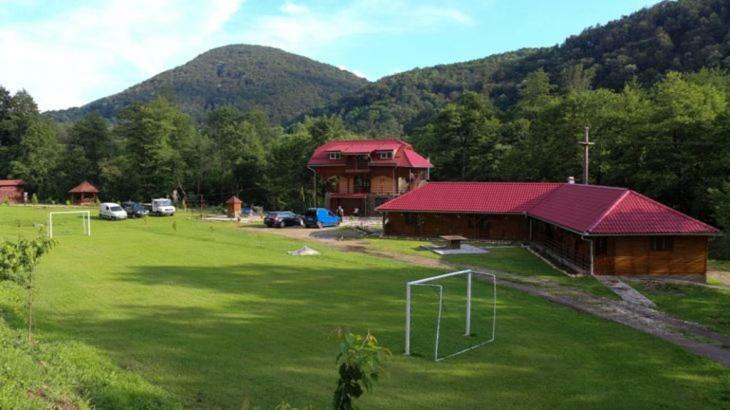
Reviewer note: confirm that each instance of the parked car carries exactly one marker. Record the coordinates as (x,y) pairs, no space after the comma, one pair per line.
(134,209)
(320,218)
(162,207)
(282,219)
(111,210)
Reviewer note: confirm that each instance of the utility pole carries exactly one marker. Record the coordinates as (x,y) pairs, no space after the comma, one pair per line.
(586,143)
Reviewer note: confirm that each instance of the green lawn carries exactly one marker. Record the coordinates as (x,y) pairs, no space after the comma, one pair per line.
(507,259)
(217,315)
(708,306)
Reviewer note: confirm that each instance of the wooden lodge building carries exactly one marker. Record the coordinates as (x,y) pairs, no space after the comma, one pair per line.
(359,175)
(587,228)
(12,190)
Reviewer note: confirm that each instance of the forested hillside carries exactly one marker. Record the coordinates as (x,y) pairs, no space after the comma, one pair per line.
(683,35)
(282,84)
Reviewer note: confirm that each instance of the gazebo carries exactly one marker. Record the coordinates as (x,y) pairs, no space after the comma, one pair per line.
(83,193)
(233,205)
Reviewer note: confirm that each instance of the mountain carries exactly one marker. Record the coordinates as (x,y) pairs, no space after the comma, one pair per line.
(683,35)
(284,85)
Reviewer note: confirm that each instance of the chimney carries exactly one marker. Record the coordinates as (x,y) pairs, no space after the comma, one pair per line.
(571,180)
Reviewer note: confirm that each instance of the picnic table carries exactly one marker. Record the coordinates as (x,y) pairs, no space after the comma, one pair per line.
(454,241)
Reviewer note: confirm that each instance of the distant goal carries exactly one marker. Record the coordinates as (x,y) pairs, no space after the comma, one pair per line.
(450,314)
(64,222)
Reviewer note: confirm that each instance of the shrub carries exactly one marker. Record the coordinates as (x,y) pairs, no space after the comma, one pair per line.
(361,360)
(720,247)
(34,199)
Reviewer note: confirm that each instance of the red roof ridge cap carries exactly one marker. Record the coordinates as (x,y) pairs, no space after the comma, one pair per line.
(676,212)
(608,210)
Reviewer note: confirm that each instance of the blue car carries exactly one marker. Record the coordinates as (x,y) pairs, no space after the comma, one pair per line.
(320,218)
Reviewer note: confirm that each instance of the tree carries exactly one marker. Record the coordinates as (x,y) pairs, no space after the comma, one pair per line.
(91,138)
(462,138)
(158,139)
(361,361)
(36,156)
(17,263)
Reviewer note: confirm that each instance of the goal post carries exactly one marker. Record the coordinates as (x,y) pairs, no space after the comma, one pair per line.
(432,282)
(85,221)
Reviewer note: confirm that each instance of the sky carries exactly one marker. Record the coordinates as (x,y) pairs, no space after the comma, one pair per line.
(68,53)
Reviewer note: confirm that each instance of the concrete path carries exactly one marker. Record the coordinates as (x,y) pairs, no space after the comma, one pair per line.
(634,313)
(625,291)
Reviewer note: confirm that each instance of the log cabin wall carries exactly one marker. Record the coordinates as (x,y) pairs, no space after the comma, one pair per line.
(646,255)
(473,226)
(566,246)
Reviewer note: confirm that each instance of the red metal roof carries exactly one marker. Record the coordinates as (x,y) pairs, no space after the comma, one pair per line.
(85,188)
(404,155)
(586,209)
(472,197)
(11,182)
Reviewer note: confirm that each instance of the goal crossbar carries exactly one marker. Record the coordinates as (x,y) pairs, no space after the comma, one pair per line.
(467,327)
(85,221)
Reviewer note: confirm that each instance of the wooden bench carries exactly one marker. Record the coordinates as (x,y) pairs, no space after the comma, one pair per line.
(453,241)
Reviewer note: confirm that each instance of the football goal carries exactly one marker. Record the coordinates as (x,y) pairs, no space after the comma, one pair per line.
(64,222)
(450,314)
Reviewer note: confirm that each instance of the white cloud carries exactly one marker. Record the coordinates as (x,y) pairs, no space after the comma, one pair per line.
(98,49)
(305,30)
(92,51)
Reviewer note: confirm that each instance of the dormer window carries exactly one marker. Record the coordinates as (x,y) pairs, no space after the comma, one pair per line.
(385,154)
(335,155)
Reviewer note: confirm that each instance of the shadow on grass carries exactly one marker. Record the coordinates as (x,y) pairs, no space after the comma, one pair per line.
(264,331)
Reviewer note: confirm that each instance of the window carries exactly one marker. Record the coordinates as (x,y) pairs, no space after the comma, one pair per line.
(385,154)
(662,243)
(335,155)
(601,246)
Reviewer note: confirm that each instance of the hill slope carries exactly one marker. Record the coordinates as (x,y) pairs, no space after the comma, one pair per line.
(683,36)
(284,85)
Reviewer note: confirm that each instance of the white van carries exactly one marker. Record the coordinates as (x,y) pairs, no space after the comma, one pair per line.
(163,207)
(110,210)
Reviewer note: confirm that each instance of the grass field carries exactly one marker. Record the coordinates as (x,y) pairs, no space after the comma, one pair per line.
(217,315)
(708,306)
(507,259)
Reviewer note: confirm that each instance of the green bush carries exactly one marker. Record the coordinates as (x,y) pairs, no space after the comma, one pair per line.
(720,247)
(34,199)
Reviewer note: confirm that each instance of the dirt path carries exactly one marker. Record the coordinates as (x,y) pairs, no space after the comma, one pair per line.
(691,336)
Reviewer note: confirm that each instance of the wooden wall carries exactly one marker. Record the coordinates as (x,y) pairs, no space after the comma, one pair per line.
(13,193)
(634,256)
(430,225)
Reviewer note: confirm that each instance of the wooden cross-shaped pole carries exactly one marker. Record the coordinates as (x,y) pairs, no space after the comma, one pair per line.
(586,143)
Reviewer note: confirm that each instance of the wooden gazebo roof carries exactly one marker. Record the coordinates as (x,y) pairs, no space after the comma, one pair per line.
(233,200)
(84,188)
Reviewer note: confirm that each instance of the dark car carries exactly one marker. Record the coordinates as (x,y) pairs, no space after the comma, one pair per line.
(135,209)
(282,219)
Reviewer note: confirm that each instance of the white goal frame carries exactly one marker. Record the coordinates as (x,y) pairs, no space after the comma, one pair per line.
(85,221)
(467,326)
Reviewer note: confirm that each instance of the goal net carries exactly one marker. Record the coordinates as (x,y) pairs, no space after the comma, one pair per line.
(450,314)
(69,223)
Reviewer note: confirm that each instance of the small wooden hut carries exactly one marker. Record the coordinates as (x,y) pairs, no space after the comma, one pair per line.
(233,206)
(83,194)
(11,190)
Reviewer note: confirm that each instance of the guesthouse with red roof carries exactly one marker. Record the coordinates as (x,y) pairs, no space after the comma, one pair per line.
(585,228)
(12,190)
(359,175)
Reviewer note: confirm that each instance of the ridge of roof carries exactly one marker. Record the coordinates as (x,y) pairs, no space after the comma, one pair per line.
(608,210)
(674,211)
